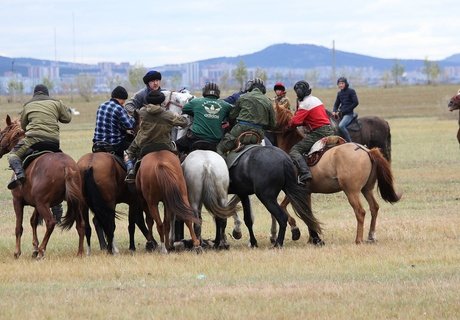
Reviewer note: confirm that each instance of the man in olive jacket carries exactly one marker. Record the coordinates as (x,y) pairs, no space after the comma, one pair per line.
(253,112)
(39,120)
(155,128)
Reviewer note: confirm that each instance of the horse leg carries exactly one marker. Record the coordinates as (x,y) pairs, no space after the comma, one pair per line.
(220,241)
(100,234)
(88,230)
(45,212)
(236,219)
(34,224)
(353,199)
(155,216)
(374,209)
(19,210)
(269,201)
(195,240)
(295,231)
(248,220)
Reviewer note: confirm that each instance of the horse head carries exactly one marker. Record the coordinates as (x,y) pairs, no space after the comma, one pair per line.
(10,135)
(454,103)
(175,100)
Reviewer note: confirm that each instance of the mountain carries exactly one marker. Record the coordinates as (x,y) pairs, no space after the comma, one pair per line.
(289,56)
(307,56)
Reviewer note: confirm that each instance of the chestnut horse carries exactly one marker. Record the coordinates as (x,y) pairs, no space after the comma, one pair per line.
(50,179)
(454,104)
(160,179)
(351,168)
(104,187)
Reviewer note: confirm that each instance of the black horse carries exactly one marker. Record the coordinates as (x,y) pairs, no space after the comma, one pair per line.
(371,131)
(265,171)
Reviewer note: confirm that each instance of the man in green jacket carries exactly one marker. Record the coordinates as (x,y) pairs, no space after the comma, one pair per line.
(155,128)
(253,112)
(208,113)
(39,120)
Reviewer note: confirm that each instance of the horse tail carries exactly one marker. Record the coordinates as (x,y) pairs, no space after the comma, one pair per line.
(93,196)
(297,195)
(388,147)
(74,198)
(173,198)
(384,176)
(211,194)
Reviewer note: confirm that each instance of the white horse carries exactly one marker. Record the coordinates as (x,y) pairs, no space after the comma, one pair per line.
(207,179)
(175,101)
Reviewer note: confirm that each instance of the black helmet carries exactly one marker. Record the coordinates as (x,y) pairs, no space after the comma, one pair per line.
(302,89)
(255,83)
(342,79)
(211,89)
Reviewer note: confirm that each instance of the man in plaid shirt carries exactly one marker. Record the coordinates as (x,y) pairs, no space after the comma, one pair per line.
(112,124)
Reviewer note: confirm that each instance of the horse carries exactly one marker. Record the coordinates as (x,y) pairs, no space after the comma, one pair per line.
(351,168)
(104,187)
(207,179)
(371,131)
(266,171)
(175,101)
(454,104)
(50,179)
(160,179)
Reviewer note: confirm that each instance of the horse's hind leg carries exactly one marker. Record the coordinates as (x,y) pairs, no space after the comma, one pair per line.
(269,201)
(45,212)
(374,209)
(360,213)
(295,231)
(248,219)
(100,234)
(19,210)
(34,224)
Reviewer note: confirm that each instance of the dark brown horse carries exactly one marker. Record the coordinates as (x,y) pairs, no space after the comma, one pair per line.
(50,179)
(370,131)
(160,179)
(103,188)
(350,168)
(454,104)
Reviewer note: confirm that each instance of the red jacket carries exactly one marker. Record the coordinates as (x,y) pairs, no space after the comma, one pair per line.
(311,114)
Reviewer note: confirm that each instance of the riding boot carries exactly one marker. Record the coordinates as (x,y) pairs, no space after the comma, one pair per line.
(16,165)
(304,171)
(131,174)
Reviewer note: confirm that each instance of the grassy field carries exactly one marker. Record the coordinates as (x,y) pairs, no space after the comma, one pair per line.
(412,272)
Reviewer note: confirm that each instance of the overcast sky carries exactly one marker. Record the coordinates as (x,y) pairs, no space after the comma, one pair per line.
(154,33)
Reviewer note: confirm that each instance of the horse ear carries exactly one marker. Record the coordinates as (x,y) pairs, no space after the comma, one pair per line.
(8,120)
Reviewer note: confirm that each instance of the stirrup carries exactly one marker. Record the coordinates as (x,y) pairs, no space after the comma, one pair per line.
(130,177)
(15,183)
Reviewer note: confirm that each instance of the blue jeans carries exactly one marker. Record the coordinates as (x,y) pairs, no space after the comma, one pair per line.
(346,120)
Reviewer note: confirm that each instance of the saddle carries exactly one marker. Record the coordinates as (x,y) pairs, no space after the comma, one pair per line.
(39,149)
(233,156)
(320,147)
(247,138)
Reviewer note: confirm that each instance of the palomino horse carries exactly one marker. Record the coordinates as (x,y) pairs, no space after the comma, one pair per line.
(265,171)
(160,179)
(104,187)
(350,168)
(50,179)
(207,178)
(454,104)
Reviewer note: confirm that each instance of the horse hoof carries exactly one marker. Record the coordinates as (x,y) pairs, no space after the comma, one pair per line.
(179,246)
(295,233)
(150,245)
(237,235)
(277,246)
(17,254)
(317,242)
(34,254)
(198,249)
(371,241)
(272,240)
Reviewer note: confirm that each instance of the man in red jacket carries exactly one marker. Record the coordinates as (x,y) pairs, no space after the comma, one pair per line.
(311,113)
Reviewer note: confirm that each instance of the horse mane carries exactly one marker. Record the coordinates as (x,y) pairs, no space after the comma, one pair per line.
(11,134)
(283,116)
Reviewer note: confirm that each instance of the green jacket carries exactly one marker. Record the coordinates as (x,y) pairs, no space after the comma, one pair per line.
(156,126)
(256,108)
(208,114)
(40,117)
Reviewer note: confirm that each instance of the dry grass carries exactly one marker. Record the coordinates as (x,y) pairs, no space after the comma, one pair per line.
(411,272)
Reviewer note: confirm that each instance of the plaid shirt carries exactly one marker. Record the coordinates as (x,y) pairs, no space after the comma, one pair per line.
(112,121)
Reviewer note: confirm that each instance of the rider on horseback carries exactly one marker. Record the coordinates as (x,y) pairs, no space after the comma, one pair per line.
(345,103)
(152,81)
(39,120)
(208,113)
(154,130)
(112,123)
(310,113)
(253,112)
